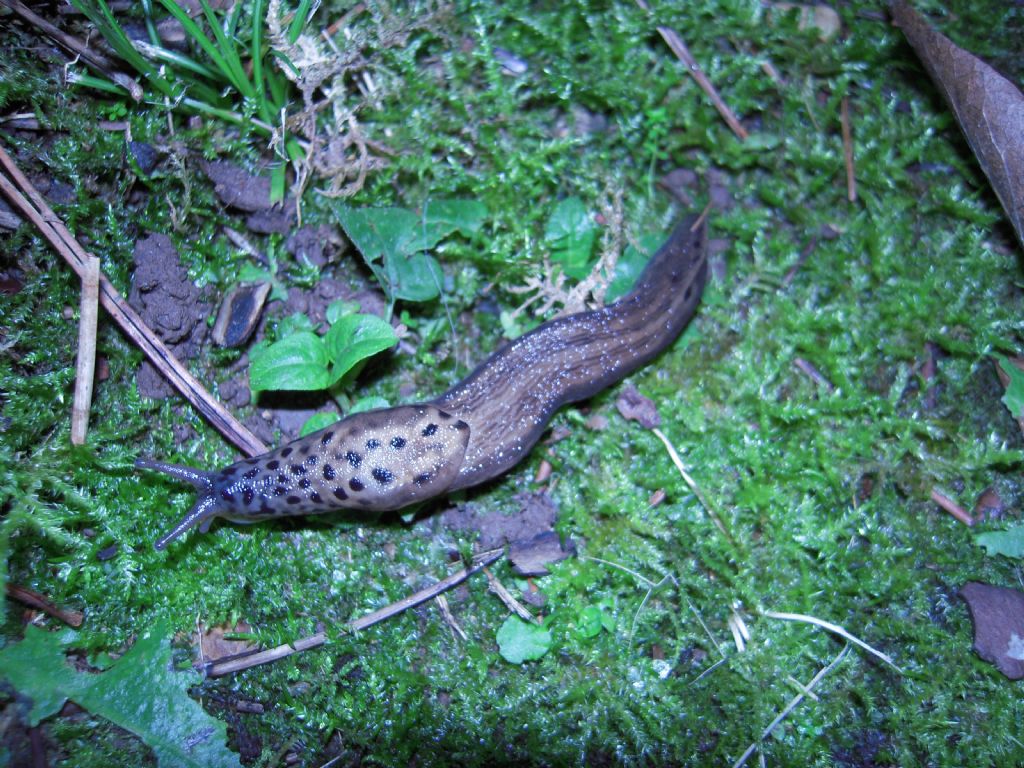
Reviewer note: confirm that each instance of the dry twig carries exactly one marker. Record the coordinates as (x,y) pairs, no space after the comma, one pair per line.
(39,602)
(952,507)
(85,364)
(237,663)
(675,42)
(98,61)
(30,203)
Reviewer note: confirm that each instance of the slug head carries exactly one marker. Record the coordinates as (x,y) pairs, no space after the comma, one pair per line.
(376,461)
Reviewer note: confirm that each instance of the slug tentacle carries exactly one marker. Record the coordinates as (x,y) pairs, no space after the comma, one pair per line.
(205,508)
(390,458)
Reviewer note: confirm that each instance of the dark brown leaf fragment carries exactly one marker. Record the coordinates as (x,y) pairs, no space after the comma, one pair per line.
(998,617)
(989,108)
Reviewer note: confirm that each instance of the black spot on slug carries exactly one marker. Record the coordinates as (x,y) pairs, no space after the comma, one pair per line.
(281,479)
(354,459)
(429,430)
(326,439)
(315,498)
(227,496)
(252,473)
(382,476)
(279,491)
(356,484)
(248,495)
(272,465)
(293,499)
(340,494)
(304,449)
(328,472)
(372,443)
(297,469)
(397,442)
(286,452)
(422,479)
(312,460)
(304,483)
(444,415)
(461,425)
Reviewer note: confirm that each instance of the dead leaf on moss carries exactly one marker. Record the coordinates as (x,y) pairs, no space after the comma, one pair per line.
(213,644)
(998,617)
(989,108)
(634,406)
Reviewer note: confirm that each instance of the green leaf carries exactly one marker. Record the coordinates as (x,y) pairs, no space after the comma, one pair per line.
(353,339)
(378,232)
(444,217)
(630,264)
(317,422)
(570,234)
(393,242)
(1008,543)
(519,641)
(1013,398)
(414,278)
(140,692)
(370,403)
(590,621)
(297,362)
(338,309)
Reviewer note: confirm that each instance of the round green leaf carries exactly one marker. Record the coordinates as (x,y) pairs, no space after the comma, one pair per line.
(589,623)
(297,362)
(354,338)
(519,641)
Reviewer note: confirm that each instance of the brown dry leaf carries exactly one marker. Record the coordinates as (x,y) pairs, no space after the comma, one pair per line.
(998,617)
(989,108)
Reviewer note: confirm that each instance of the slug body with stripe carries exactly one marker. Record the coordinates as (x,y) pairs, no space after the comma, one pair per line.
(390,458)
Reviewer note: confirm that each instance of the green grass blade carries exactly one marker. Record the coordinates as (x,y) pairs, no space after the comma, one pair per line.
(98,83)
(147,12)
(228,48)
(179,60)
(196,32)
(100,15)
(256,48)
(299,21)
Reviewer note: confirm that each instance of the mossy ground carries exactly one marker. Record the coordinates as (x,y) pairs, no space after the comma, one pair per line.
(825,492)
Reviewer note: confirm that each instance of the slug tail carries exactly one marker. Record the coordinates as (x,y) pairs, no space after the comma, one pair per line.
(203,511)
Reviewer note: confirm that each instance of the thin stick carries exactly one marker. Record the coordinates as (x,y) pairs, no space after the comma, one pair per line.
(52,228)
(480,561)
(712,512)
(509,600)
(85,365)
(675,42)
(835,629)
(851,179)
(952,507)
(813,373)
(793,704)
(39,602)
(98,61)
(239,662)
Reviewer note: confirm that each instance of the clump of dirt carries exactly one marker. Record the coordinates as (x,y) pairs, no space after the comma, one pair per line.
(170,304)
(536,514)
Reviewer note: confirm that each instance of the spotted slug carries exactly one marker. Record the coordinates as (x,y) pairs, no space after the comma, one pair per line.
(392,457)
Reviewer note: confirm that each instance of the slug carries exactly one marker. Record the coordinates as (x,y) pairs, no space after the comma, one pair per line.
(392,457)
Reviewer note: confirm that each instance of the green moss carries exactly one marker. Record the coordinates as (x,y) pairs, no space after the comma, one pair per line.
(825,491)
